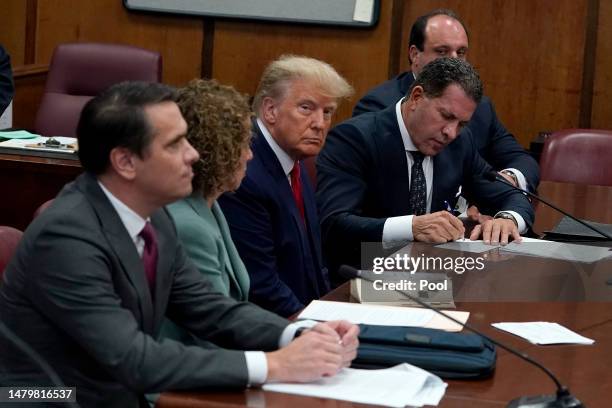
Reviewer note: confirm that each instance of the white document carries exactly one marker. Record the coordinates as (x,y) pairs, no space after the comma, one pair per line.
(397,386)
(478,246)
(357,313)
(544,333)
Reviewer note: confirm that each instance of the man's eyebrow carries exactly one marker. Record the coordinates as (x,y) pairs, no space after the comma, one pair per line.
(447,113)
(176,138)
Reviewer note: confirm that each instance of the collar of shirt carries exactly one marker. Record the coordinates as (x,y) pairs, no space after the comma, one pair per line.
(133,222)
(408,145)
(282,156)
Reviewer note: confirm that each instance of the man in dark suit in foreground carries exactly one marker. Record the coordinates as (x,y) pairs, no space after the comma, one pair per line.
(95,274)
(273,215)
(392,175)
(441,33)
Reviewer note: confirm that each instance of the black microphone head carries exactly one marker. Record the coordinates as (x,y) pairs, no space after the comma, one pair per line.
(490,175)
(348,272)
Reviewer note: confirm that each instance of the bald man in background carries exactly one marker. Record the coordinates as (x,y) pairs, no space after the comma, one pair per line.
(441,33)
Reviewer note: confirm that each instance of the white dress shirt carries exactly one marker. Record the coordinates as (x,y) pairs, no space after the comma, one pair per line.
(257,364)
(285,160)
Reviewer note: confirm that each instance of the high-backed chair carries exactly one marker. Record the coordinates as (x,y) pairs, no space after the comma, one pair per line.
(9,238)
(80,71)
(578,156)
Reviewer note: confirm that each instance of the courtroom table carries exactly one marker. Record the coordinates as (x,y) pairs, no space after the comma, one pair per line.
(512,287)
(29,181)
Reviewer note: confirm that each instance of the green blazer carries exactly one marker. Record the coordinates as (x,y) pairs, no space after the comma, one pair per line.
(206,238)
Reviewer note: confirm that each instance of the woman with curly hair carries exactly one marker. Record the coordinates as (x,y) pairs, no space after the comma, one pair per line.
(219,128)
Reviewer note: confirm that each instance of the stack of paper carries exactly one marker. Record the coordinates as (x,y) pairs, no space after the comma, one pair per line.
(544,333)
(357,313)
(397,386)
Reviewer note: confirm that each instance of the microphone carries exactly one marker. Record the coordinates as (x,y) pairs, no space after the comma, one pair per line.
(563,397)
(28,351)
(494,176)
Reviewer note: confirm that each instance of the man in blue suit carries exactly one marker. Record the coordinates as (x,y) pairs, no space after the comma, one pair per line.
(273,215)
(391,175)
(441,33)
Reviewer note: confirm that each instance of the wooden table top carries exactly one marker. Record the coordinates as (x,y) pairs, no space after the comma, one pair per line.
(511,288)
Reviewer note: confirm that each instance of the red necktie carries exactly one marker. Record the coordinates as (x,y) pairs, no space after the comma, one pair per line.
(296,187)
(149,255)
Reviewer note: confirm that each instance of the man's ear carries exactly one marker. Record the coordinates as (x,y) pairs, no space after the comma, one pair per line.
(269,110)
(122,160)
(413,53)
(416,94)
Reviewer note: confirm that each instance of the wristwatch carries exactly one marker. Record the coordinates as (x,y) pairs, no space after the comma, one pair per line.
(512,175)
(506,216)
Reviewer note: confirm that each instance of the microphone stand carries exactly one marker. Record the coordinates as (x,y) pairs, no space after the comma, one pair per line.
(562,399)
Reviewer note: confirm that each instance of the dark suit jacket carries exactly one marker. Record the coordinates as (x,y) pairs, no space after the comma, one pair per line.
(495,144)
(77,293)
(283,257)
(6,80)
(362,179)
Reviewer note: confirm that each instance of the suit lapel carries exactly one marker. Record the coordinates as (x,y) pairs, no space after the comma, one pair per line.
(264,152)
(446,179)
(122,245)
(235,268)
(163,279)
(393,154)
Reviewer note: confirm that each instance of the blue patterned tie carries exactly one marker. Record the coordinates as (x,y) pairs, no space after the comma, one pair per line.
(417,203)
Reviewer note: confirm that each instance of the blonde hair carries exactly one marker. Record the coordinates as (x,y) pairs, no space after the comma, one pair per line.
(277,75)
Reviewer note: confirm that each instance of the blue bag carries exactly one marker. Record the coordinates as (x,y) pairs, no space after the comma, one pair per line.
(448,355)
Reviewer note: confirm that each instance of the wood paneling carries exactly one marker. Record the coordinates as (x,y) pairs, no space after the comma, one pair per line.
(602,95)
(528,53)
(30,85)
(178,39)
(242,49)
(13,29)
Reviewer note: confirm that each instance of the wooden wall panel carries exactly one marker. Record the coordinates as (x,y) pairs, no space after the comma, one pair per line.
(528,53)
(242,49)
(29,85)
(178,39)
(602,95)
(13,28)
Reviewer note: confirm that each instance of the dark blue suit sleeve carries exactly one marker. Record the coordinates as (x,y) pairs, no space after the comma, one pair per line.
(251,226)
(6,80)
(342,188)
(491,197)
(371,102)
(503,150)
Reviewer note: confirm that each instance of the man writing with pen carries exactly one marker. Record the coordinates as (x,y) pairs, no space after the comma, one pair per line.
(392,175)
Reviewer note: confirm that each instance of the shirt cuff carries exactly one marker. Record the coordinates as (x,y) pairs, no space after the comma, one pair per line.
(289,333)
(257,367)
(398,229)
(520,222)
(520,178)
